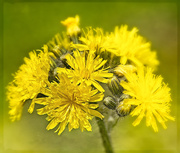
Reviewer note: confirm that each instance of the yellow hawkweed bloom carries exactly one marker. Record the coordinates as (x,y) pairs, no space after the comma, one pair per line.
(132,47)
(59,45)
(16,101)
(72,25)
(28,82)
(69,104)
(120,70)
(93,39)
(149,95)
(88,70)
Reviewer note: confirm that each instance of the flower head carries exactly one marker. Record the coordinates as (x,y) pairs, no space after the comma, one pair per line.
(28,82)
(69,104)
(93,39)
(59,45)
(88,70)
(72,25)
(149,95)
(132,47)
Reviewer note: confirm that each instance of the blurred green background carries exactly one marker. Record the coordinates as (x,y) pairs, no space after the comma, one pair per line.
(29,25)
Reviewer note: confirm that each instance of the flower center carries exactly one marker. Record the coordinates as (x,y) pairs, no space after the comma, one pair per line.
(85,73)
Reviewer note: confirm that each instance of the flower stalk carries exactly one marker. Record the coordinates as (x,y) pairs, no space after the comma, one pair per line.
(105,136)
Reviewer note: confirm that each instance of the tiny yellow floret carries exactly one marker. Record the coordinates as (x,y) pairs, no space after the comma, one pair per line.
(72,24)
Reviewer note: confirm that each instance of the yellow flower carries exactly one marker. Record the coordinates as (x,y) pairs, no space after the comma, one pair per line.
(132,47)
(16,101)
(69,104)
(120,70)
(28,82)
(93,39)
(88,70)
(59,45)
(72,25)
(149,95)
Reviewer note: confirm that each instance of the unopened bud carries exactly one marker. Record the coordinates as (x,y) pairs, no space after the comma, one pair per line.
(121,70)
(115,87)
(123,96)
(123,109)
(109,102)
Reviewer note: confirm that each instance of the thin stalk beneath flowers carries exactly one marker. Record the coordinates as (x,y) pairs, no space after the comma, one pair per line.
(104,135)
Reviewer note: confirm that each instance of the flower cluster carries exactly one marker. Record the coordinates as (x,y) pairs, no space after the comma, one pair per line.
(70,76)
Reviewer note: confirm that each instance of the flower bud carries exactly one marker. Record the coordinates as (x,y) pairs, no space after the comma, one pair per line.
(123,109)
(115,87)
(109,102)
(121,70)
(123,96)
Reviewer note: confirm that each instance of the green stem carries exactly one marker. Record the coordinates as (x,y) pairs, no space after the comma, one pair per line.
(104,135)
